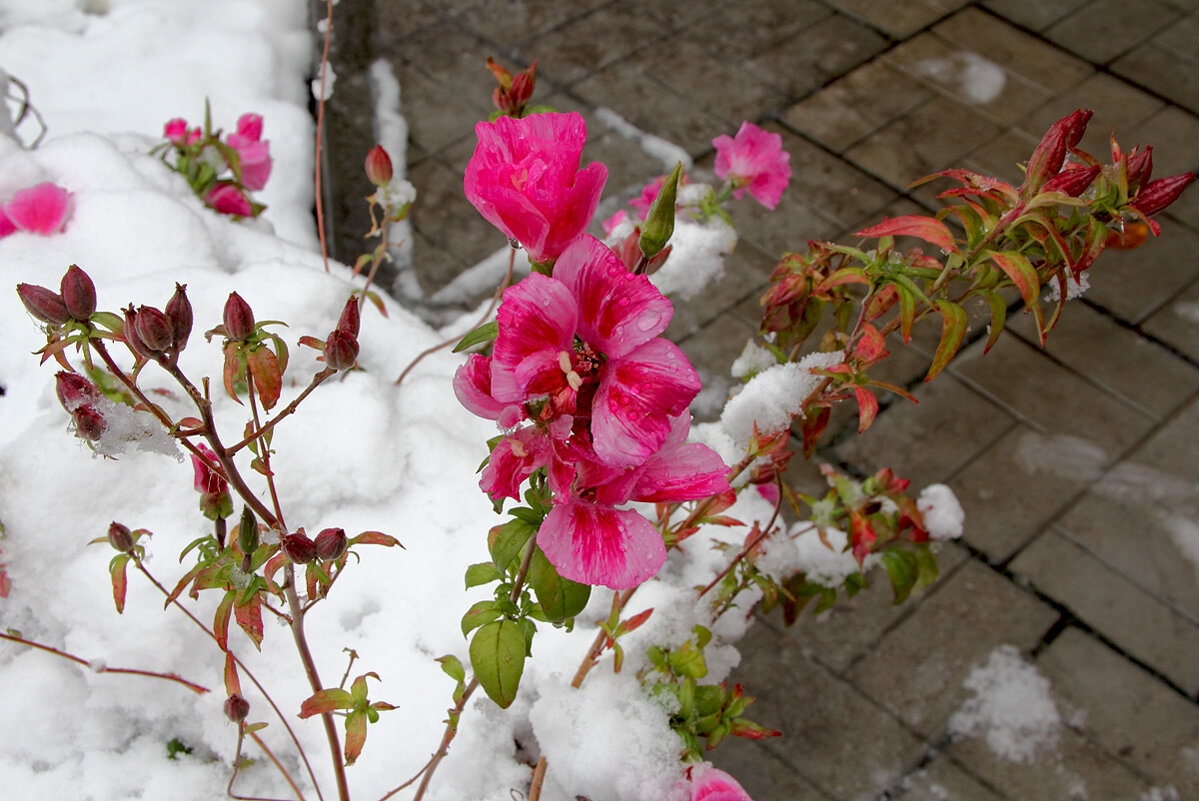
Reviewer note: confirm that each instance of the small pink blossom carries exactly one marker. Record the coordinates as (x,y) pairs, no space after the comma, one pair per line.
(756,163)
(177,132)
(649,193)
(524,178)
(706,783)
(613,221)
(40,209)
(250,126)
(253,151)
(226,198)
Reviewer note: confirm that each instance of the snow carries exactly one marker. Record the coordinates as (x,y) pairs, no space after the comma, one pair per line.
(1012,708)
(774,397)
(943,515)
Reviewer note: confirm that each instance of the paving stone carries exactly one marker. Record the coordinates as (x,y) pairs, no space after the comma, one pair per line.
(439,116)
(1037,16)
(444,215)
(1001,157)
(897,19)
(1113,605)
(1116,105)
(1125,710)
(832,735)
(1049,397)
(595,40)
(1074,769)
(1127,365)
(1017,51)
(765,776)
(511,22)
(931,441)
(712,351)
(1133,284)
(855,106)
(677,15)
(943,780)
(843,634)
(816,54)
(1163,72)
(1104,29)
(1181,37)
(1177,323)
(741,30)
(918,669)
(746,273)
(396,20)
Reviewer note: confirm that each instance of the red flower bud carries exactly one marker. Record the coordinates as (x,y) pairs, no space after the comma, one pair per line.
(351,317)
(378,166)
(341,350)
(1158,195)
(154,329)
(299,548)
(120,538)
(331,543)
(236,708)
(1138,168)
(44,304)
(89,423)
(78,293)
(1072,182)
(239,318)
(131,338)
(179,312)
(74,390)
(1050,154)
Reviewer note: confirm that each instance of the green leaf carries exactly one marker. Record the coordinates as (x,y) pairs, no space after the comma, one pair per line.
(926,563)
(903,570)
(481,613)
(119,582)
(481,573)
(998,317)
(484,334)
(355,736)
(326,701)
(452,667)
(688,661)
(560,598)
(509,541)
(953,329)
(497,655)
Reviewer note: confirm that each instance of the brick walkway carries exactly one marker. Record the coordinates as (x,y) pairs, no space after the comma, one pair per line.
(1077,466)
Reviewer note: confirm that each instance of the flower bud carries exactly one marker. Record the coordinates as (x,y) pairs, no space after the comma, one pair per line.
(179,312)
(78,293)
(1159,194)
(331,544)
(299,548)
(341,350)
(1072,182)
(659,223)
(378,166)
(236,708)
(154,329)
(1138,168)
(120,538)
(44,304)
(247,532)
(89,423)
(131,338)
(239,318)
(1050,154)
(351,317)
(74,390)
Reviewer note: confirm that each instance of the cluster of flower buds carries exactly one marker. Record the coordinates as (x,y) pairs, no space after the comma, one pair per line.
(511,97)
(75,300)
(159,334)
(341,346)
(85,403)
(221,171)
(328,546)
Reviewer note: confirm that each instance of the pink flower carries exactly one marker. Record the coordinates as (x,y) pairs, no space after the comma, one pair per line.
(706,783)
(40,209)
(649,193)
(226,198)
(215,500)
(586,340)
(613,221)
(524,178)
(6,225)
(176,132)
(756,162)
(252,150)
(250,126)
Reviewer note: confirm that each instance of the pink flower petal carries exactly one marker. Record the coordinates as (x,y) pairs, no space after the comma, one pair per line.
(637,396)
(175,130)
(537,319)
(228,199)
(681,471)
(712,784)
(6,226)
(618,311)
(513,460)
(255,160)
(472,387)
(596,544)
(756,162)
(250,126)
(40,209)
(613,221)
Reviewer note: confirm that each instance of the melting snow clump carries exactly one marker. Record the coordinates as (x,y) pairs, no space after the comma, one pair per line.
(1012,708)
(943,515)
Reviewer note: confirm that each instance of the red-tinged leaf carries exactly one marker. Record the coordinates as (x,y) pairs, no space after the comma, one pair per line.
(1063,293)
(183,582)
(722,520)
(375,538)
(883,300)
(634,622)
(813,426)
(907,312)
(1096,240)
(1017,267)
(889,387)
(312,342)
(355,735)
(846,275)
(872,346)
(220,620)
(927,228)
(377,301)
(867,407)
(272,566)
(232,682)
(751,730)
(268,377)
(232,370)
(862,534)
(119,581)
(249,617)
(953,329)
(326,701)
(998,317)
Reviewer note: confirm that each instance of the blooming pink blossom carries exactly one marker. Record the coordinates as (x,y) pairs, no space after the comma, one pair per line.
(756,163)
(40,209)
(226,198)
(706,783)
(176,132)
(524,178)
(253,151)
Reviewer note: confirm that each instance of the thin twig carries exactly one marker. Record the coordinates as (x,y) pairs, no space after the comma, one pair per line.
(317,380)
(320,128)
(241,734)
(271,754)
(101,668)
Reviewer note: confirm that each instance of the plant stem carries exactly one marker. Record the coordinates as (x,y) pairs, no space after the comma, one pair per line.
(320,127)
(196,688)
(241,734)
(271,755)
(317,380)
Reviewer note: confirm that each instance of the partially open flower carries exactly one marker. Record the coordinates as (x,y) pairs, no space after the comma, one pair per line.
(755,162)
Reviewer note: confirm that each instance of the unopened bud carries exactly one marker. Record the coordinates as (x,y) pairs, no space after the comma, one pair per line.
(341,350)
(331,543)
(1050,154)
(78,293)
(238,318)
(179,312)
(89,423)
(378,166)
(120,538)
(131,338)
(1159,194)
(659,223)
(44,304)
(74,390)
(236,708)
(1072,182)
(154,329)
(351,317)
(1138,168)
(299,548)
(247,532)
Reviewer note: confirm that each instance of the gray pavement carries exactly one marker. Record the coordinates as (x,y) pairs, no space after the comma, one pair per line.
(1077,465)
